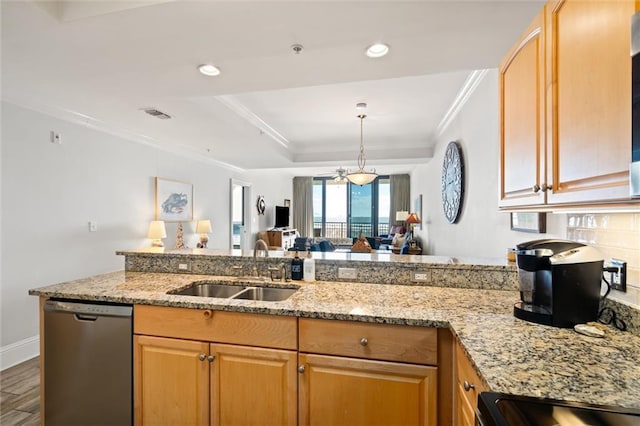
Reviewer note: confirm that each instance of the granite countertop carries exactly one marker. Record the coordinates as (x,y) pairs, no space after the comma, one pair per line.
(511,355)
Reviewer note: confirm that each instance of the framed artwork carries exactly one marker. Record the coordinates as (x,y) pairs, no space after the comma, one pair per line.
(287,202)
(174,200)
(529,222)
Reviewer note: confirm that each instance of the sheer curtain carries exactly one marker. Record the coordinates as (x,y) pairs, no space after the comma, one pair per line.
(303,205)
(400,188)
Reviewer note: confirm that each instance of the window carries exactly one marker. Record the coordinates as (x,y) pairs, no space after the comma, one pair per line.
(343,210)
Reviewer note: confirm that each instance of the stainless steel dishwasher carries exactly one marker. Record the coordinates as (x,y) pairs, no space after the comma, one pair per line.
(87,364)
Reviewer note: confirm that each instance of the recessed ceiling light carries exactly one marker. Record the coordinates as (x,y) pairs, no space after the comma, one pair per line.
(209,70)
(377,50)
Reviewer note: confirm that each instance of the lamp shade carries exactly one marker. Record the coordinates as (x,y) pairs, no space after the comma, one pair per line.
(203,226)
(157,230)
(413,218)
(361,177)
(402,215)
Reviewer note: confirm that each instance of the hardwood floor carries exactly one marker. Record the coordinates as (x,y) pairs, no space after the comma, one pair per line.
(20,394)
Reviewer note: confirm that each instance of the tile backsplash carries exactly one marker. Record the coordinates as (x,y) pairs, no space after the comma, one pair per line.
(616,235)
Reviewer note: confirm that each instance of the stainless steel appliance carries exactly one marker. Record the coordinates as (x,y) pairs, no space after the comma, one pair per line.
(634,170)
(496,409)
(87,364)
(559,282)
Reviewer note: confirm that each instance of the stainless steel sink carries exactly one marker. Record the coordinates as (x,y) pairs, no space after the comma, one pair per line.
(223,291)
(267,294)
(245,291)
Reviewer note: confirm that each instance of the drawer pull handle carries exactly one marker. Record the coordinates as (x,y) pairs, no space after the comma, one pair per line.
(202,357)
(301,369)
(208,313)
(468,386)
(210,358)
(364,341)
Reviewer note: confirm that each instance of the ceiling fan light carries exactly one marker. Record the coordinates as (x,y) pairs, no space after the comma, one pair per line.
(377,50)
(209,70)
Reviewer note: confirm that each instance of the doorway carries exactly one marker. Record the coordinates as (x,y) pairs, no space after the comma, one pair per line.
(240,214)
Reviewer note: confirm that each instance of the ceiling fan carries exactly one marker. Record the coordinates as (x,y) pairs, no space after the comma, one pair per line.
(340,175)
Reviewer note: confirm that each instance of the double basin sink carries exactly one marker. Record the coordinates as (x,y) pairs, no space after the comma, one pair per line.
(230,291)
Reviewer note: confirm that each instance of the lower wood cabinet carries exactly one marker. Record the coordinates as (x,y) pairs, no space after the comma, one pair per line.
(253,386)
(180,382)
(467,387)
(171,382)
(354,373)
(350,391)
(203,367)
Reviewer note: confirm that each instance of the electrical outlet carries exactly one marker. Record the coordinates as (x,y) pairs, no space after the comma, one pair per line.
(93,226)
(619,277)
(419,276)
(347,273)
(183,266)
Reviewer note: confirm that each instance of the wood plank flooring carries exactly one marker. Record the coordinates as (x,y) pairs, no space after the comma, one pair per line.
(20,394)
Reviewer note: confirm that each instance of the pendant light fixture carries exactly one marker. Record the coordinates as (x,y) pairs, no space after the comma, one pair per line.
(362,177)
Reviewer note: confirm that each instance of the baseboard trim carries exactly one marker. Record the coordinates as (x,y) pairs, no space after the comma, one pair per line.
(18,352)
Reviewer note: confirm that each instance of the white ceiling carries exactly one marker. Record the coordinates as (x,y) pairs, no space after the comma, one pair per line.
(100,62)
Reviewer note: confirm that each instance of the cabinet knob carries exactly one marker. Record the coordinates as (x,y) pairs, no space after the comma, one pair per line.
(202,357)
(208,314)
(536,188)
(364,341)
(301,369)
(210,358)
(546,187)
(468,386)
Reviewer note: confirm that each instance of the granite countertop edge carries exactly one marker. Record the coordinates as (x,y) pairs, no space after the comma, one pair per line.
(510,355)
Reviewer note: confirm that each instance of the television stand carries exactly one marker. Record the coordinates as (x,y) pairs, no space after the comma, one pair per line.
(284,238)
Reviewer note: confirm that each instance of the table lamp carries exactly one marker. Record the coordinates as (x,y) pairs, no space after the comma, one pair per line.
(156,232)
(402,215)
(412,219)
(203,227)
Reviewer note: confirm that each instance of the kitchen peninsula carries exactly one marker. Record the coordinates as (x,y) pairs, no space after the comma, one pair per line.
(509,355)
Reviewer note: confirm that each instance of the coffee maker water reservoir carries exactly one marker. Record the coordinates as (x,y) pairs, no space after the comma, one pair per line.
(559,282)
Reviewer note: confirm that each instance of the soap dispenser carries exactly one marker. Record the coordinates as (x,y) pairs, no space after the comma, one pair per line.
(296,267)
(309,268)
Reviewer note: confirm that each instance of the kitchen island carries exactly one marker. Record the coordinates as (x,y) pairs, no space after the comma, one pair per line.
(510,355)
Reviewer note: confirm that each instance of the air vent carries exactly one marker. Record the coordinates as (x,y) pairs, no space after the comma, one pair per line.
(154,112)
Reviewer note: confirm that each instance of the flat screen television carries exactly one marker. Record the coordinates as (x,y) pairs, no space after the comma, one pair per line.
(282,217)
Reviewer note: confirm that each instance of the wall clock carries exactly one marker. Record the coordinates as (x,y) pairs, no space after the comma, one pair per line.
(452,182)
(260,204)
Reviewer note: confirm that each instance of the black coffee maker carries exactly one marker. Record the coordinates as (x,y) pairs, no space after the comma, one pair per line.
(559,282)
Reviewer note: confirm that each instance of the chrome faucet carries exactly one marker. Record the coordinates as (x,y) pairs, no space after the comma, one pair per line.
(260,245)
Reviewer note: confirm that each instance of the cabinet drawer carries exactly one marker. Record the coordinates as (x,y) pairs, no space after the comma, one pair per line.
(418,345)
(214,326)
(466,373)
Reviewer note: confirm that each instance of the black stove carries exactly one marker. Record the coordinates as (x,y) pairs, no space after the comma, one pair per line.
(497,409)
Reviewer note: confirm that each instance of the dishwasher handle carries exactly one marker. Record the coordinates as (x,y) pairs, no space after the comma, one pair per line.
(88,311)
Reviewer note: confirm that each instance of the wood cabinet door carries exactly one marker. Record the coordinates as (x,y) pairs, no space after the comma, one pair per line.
(589,100)
(522,146)
(468,387)
(253,386)
(171,381)
(349,391)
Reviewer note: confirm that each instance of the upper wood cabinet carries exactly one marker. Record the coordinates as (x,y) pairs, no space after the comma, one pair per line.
(565,101)
(522,148)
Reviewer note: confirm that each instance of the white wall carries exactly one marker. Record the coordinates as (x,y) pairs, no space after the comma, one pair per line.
(274,186)
(50,192)
(481,230)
